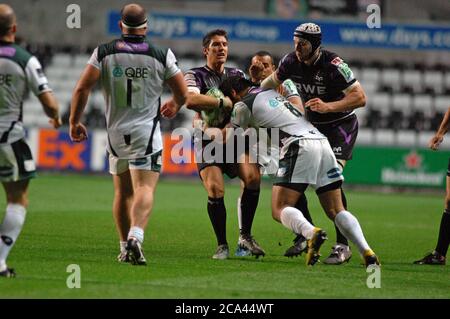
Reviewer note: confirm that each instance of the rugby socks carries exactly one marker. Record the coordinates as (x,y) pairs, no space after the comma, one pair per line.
(123,246)
(444,234)
(10,230)
(294,220)
(302,205)
(218,216)
(349,226)
(136,232)
(340,239)
(249,203)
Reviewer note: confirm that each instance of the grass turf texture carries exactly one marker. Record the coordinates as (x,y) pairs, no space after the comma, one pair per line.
(69,221)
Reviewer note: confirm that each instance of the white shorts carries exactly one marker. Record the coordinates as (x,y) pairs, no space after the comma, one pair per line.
(16,162)
(121,165)
(309,161)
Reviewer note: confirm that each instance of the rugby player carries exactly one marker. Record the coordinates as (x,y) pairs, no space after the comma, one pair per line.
(306,159)
(132,72)
(200,80)
(437,257)
(19,72)
(330,93)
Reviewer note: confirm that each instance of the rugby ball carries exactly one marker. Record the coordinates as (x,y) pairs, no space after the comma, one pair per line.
(214,117)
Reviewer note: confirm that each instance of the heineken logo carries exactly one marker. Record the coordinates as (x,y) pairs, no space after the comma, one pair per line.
(117,72)
(413,160)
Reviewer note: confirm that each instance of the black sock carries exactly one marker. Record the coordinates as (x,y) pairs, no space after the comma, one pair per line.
(218,216)
(302,205)
(249,202)
(444,234)
(340,239)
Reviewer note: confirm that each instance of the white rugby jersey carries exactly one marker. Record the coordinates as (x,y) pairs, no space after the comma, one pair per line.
(133,72)
(269,109)
(19,72)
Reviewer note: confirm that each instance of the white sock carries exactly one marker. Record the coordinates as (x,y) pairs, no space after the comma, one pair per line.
(136,232)
(239,213)
(123,246)
(10,230)
(294,220)
(350,228)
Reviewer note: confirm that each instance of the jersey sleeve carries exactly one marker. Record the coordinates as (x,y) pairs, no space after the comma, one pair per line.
(192,81)
(93,60)
(240,117)
(289,89)
(341,76)
(282,71)
(37,81)
(171,65)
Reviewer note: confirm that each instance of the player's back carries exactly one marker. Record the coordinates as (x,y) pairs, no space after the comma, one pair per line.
(272,110)
(19,71)
(133,72)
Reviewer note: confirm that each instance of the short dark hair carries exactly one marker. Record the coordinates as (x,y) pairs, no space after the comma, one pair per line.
(207,38)
(264,53)
(236,83)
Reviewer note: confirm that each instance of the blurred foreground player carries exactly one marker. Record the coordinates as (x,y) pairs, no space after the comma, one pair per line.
(437,257)
(132,72)
(19,71)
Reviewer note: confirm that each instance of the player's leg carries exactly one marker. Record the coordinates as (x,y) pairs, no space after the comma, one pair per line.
(212,178)
(438,256)
(249,174)
(284,197)
(300,242)
(144,173)
(330,199)
(143,185)
(17,168)
(17,202)
(123,198)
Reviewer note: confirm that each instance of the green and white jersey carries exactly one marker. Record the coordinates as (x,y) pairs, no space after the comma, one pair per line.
(19,72)
(269,109)
(133,72)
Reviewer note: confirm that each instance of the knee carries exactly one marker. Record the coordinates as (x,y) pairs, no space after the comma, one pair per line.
(215,190)
(331,213)
(252,181)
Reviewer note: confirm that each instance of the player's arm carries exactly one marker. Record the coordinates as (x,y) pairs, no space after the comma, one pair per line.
(437,139)
(354,98)
(51,108)
(179,92)
(38,83)
(201,102)
(289,91)
(86,83)
(271,82)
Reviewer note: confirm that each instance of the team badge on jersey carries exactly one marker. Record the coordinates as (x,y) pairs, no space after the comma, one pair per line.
(343,68)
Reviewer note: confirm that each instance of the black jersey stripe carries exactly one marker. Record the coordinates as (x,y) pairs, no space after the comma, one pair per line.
(5,135)
(155,123)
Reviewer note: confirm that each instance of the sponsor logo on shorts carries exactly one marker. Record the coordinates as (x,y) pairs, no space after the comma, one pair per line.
(29,166)
(7,240)
(281,172)
(334,173)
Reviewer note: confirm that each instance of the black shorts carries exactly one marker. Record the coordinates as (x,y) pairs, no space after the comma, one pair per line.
(341,135)
(230,168)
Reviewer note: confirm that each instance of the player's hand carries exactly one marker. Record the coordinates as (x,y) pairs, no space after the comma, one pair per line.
(227,103)
(256,71)
(78,132)
(435,141)
(169,109)
(56,123)
(317,105)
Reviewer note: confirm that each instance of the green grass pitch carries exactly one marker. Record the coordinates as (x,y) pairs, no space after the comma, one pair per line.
(69,221)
